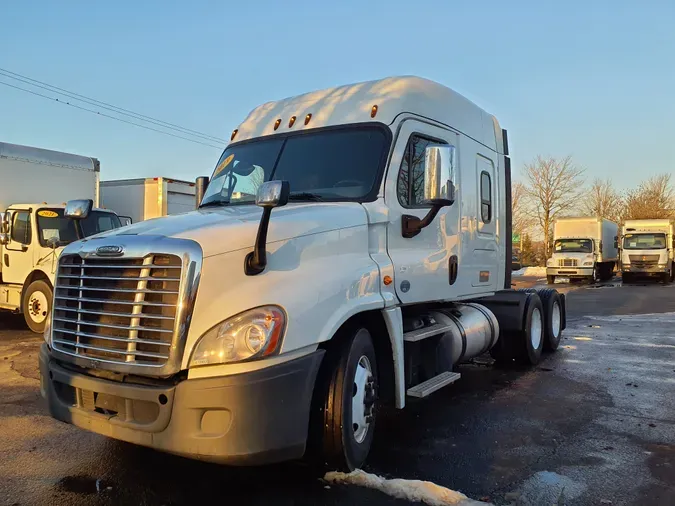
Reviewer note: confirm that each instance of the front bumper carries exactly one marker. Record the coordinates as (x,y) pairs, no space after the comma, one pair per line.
(570,272)
(253,418)
(645,270)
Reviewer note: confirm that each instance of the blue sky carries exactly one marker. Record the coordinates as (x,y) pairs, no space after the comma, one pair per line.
(596,81)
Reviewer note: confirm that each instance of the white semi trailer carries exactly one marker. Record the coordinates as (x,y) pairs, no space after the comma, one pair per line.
(34,186)
(349,251)
(146,198)
(583,248)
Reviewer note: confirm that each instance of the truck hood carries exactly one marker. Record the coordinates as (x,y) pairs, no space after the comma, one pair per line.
(225,229)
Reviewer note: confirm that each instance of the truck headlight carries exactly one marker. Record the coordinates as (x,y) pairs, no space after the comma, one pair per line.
(47,333)
(549,262)
(249,335)
(588,263)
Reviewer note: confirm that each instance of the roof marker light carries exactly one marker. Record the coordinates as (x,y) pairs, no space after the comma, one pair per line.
(277,123)
(373,111)
(307,118)
(291,122)
(234,134)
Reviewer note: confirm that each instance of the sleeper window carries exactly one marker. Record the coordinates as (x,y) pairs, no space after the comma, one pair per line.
(410,186)
(485,197)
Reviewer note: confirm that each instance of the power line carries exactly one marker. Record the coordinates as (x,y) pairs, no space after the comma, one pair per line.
(104,105)
(109,116)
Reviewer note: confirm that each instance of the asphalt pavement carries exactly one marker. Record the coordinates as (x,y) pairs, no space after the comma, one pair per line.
(593,424)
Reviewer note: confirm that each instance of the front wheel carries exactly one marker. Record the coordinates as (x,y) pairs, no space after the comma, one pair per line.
(37,303)
(550,280)
(349,402)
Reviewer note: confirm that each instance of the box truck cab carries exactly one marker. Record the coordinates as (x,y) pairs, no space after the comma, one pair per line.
(647,249)
(352,247)
(583,248)
(32,235)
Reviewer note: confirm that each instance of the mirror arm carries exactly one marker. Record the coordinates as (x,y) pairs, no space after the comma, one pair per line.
(412,225)
(256,261)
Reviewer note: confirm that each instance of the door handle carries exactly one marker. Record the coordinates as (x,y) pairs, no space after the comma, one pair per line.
(452,269)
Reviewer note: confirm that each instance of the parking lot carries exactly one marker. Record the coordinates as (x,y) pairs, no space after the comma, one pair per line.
(592,424)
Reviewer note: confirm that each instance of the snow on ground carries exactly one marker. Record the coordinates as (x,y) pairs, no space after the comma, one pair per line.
(530,271)
(409,490)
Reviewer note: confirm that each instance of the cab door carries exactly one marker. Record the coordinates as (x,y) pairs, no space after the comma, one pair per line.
(17,261)
(425,266)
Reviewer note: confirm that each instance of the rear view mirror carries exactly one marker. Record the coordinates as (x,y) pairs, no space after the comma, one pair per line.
(125,220)
(273,194)
(78,209)
(439,164)
(200,188)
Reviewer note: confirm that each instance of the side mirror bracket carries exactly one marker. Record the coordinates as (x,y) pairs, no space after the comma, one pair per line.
(270,195)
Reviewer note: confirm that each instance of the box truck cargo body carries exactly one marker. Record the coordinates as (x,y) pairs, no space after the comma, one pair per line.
(146,198)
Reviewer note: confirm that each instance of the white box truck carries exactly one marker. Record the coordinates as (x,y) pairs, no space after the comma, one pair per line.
(583,248)
(346,254)
(34,186)
(647,249)
(146,198)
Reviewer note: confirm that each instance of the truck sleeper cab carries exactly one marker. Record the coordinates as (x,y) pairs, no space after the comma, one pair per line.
(351,248)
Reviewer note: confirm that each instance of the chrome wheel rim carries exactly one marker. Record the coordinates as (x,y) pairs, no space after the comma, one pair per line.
(536,328)
(556,319)
(362,399)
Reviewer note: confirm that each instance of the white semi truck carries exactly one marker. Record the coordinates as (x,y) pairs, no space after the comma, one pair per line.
(583,248)
(648,250)
(146,198)
(352,247)
(34,186)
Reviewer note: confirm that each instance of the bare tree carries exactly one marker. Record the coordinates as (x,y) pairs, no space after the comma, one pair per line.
(603,201)
(554,187)
(521,214)
(654,198)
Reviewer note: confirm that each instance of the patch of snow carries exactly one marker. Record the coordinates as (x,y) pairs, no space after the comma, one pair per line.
(530,271)
(546,487)
(409,490)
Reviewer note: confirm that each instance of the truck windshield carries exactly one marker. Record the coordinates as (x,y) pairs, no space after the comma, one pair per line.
(333,165)
(644,241)
(573,246)
(56,230)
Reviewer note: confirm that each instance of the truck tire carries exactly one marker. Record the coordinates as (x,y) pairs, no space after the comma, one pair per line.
(552,304)
(532,335)
(550,280)
(626,278)
(37,305)
(348,402)
(672,273)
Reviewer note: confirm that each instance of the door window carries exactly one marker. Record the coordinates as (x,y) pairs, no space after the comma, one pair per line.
(21,227)
(410,187)
(485,197)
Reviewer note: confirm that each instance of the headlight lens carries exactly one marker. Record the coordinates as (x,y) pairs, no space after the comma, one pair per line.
(588,263)
(252,334)
(549,262)
(47,333)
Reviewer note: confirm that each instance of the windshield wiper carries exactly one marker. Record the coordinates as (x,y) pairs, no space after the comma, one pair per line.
(313,197)
(215,203)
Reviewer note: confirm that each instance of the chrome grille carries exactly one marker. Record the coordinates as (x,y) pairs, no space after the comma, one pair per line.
(568,262)
(642,261)
(117,310)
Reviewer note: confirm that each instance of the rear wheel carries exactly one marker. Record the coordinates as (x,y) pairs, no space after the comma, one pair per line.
(626,277)
(553,318)
(348,403)
(550,279)
(37,304)
(532,338)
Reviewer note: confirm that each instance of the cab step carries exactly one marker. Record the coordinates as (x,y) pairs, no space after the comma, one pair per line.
(430,331)
(431,385)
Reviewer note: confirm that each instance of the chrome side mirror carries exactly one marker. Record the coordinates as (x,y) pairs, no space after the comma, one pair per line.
(439,172)
(273,194)
(78,209)
(4,238)
(5,220)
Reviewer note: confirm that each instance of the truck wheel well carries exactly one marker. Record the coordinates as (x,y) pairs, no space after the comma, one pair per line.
(34,276)
(374,322)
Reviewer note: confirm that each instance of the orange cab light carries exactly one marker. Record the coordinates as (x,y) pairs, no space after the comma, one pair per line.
(234,134)
(291,122)
(307,118)
(387,280)
(373,111)
(277,123)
